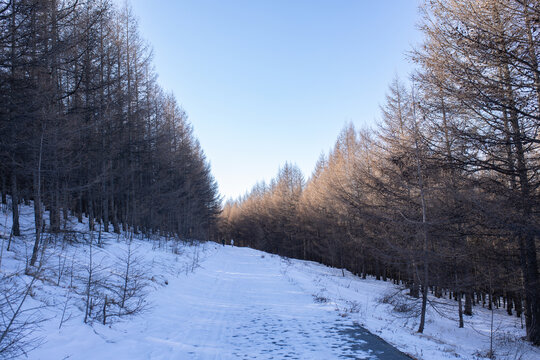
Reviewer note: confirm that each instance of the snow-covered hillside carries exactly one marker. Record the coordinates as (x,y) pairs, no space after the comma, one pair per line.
(208,301)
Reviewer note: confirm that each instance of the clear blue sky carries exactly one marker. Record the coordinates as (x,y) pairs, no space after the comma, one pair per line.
(270,81)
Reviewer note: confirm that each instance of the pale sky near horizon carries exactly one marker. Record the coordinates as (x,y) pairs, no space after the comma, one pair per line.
(269,81)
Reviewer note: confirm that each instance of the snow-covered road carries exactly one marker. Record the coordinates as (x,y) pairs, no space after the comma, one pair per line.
(239,304)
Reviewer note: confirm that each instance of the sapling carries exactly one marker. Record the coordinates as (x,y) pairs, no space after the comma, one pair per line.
(88,307)
(17,322)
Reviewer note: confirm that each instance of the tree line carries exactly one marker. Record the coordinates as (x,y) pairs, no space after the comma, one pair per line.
(85,128)
(442,195)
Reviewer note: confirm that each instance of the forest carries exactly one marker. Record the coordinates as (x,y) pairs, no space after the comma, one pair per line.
(88,138)
(442,195)
(87,130)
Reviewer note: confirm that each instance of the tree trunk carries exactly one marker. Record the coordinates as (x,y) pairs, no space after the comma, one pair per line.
(468,303)
(55,207)
(425,279)
(37,216)
(15,229)
(80,207)
(527,241)
(509,299)
(91,217)
(460,309)
(105,207)
(4,190)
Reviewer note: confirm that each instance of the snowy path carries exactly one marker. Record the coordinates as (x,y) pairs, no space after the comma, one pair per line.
(240,304)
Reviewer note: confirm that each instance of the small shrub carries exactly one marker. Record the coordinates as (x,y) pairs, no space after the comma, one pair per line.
(320,299)
(401,303)
(354,307)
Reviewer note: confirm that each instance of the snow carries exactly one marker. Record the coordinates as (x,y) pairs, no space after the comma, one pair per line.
(208,301)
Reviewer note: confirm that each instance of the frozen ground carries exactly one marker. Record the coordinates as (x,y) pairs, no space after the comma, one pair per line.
(206,301)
